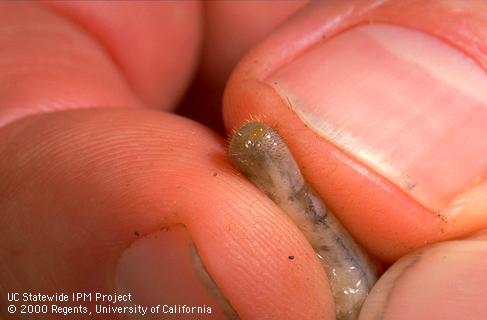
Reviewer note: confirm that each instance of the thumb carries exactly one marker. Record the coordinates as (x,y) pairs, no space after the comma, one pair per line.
(393,114)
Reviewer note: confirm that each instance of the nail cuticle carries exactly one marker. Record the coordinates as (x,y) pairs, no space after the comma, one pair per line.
(208,281)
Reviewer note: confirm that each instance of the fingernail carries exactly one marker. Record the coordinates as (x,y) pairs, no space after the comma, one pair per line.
(408,105)
(164,269)
(445,281)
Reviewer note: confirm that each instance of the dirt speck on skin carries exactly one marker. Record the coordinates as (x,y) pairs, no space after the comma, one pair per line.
(291,257)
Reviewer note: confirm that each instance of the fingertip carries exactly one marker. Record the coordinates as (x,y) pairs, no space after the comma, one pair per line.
(157,54)
(390,215)
(104,178)
(50,64)
(444,281)
(228,33)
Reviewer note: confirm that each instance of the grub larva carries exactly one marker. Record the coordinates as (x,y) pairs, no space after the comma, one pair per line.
(258,151)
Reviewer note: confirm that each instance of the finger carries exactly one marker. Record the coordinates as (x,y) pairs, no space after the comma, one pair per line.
(86,197)
(444,281)
(50,63)
(392,112)
(228,35)
(157,54)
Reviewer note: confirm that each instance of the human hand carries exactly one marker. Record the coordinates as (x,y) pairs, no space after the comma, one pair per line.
(91,198)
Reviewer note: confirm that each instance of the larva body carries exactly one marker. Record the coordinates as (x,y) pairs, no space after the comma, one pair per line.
(262,156)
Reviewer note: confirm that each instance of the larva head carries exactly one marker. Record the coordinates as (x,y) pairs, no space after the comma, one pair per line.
(254,148)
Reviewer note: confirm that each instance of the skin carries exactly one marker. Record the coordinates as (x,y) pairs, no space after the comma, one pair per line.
(211,285)
(115,167)
(412,224)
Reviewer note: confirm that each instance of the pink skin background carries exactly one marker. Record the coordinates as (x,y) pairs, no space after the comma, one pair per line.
(97,170)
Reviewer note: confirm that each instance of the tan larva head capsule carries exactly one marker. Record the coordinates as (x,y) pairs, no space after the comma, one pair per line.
(254,148)
(252,137)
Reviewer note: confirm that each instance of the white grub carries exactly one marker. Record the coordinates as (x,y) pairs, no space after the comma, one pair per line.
(258,151)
